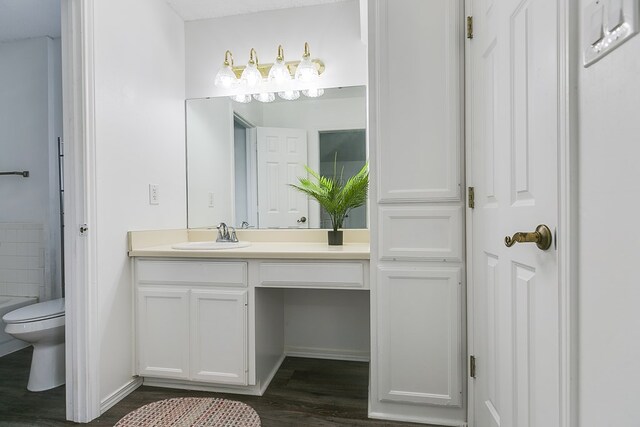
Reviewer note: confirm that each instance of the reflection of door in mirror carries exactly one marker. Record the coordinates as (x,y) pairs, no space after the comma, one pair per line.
(246,202)
(282,154)
(348,149)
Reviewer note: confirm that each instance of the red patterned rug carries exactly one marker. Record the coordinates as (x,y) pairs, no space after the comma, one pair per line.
(192,412)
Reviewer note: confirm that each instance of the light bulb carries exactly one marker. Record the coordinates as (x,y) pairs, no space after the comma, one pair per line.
(243,99)
(306,71)
(226,78)
(251,76)
(289,95)
(313,92)
(279,73)
(264,97)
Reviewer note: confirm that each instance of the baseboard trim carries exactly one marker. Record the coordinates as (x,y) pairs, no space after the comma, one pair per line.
(421,420)
(327,353)
(12,346)
(251,390)
(119,394)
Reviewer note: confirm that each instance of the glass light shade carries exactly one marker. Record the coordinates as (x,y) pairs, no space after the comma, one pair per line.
(313,92)
(289,95)
(306,71)
(279,73)
(251,76)
(243,99)
(264,96)
(226,78)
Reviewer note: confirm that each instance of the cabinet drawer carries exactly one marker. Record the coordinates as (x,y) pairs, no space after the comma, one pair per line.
(193,272)
(312,275)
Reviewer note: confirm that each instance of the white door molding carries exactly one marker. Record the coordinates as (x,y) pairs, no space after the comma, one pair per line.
(566,237)
(82,338)
(567,233)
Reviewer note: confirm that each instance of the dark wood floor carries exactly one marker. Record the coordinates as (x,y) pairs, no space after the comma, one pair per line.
(304,392)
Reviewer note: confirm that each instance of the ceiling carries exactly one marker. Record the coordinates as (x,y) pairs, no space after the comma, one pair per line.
(21,19)
(191,10)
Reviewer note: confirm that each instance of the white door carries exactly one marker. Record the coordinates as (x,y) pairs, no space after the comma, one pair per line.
(219,336)
(514,330)
(163,332)
(282,154)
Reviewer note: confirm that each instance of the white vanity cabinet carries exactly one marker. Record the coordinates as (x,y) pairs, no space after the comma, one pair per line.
(224,320)
(192,320)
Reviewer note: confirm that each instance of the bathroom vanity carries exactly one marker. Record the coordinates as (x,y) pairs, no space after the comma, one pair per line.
(215,319)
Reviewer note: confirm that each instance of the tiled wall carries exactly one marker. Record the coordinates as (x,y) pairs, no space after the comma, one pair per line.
(22,260)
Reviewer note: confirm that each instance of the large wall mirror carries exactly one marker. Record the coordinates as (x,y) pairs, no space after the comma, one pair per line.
(241,158)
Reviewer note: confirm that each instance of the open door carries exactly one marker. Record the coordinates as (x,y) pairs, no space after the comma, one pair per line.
(282,154)
(513,146)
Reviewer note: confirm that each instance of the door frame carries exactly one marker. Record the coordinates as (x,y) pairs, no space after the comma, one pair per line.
(566,234)
(82,339)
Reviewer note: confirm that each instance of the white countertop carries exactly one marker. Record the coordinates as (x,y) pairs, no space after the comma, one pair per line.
(264,250)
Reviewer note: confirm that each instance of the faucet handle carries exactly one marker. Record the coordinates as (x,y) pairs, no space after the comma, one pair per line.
(233,237)
(223,232)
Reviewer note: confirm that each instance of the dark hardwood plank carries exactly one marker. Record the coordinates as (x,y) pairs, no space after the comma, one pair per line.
(304,392)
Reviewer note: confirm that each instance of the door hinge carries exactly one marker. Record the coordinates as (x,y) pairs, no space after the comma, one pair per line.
(472,366)
(472,197)
(469,27)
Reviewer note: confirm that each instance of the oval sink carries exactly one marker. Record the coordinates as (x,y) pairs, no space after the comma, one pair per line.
(210,246)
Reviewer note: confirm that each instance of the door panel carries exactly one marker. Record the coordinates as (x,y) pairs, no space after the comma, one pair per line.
(513,145)
(282,154)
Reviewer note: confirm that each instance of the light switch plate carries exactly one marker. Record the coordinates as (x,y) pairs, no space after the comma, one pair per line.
(619,23)
(154,194)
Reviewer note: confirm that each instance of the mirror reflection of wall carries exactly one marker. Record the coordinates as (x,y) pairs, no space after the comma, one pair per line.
(240,157)
(346,152)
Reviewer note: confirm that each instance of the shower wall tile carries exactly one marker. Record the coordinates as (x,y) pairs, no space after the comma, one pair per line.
(22,259)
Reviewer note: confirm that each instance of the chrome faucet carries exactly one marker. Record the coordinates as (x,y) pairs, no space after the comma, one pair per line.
(224,235)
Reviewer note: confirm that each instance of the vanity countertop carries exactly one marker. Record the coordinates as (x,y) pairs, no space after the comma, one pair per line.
(281,250)
(144,244)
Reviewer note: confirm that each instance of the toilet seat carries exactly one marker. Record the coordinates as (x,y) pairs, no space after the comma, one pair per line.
(36,312)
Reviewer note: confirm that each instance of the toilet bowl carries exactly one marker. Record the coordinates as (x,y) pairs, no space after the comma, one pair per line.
(41,325)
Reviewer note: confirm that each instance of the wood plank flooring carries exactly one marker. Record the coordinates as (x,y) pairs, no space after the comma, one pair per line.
(304,392)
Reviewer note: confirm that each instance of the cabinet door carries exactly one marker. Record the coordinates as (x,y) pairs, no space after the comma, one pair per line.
(163,332)
(219,336)
(419,335)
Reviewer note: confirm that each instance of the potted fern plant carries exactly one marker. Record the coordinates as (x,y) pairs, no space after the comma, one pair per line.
(336,196)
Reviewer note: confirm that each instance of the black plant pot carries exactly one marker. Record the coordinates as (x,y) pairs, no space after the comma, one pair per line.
(334,237)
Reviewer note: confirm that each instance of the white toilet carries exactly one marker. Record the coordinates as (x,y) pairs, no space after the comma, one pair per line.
(41,325)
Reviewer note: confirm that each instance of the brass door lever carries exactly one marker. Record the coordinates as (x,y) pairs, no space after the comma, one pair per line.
(542,237)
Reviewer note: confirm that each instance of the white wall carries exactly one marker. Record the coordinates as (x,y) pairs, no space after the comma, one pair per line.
(30,121)
(327,322)
(139,108)
(332,30)
(609,194)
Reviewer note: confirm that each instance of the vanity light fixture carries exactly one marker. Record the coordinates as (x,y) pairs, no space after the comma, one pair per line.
(263,81)
(251,76)
(279,72)
(289,95)
(226,78)
(243,99)
(306,70)
(264,96)
(313,92)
